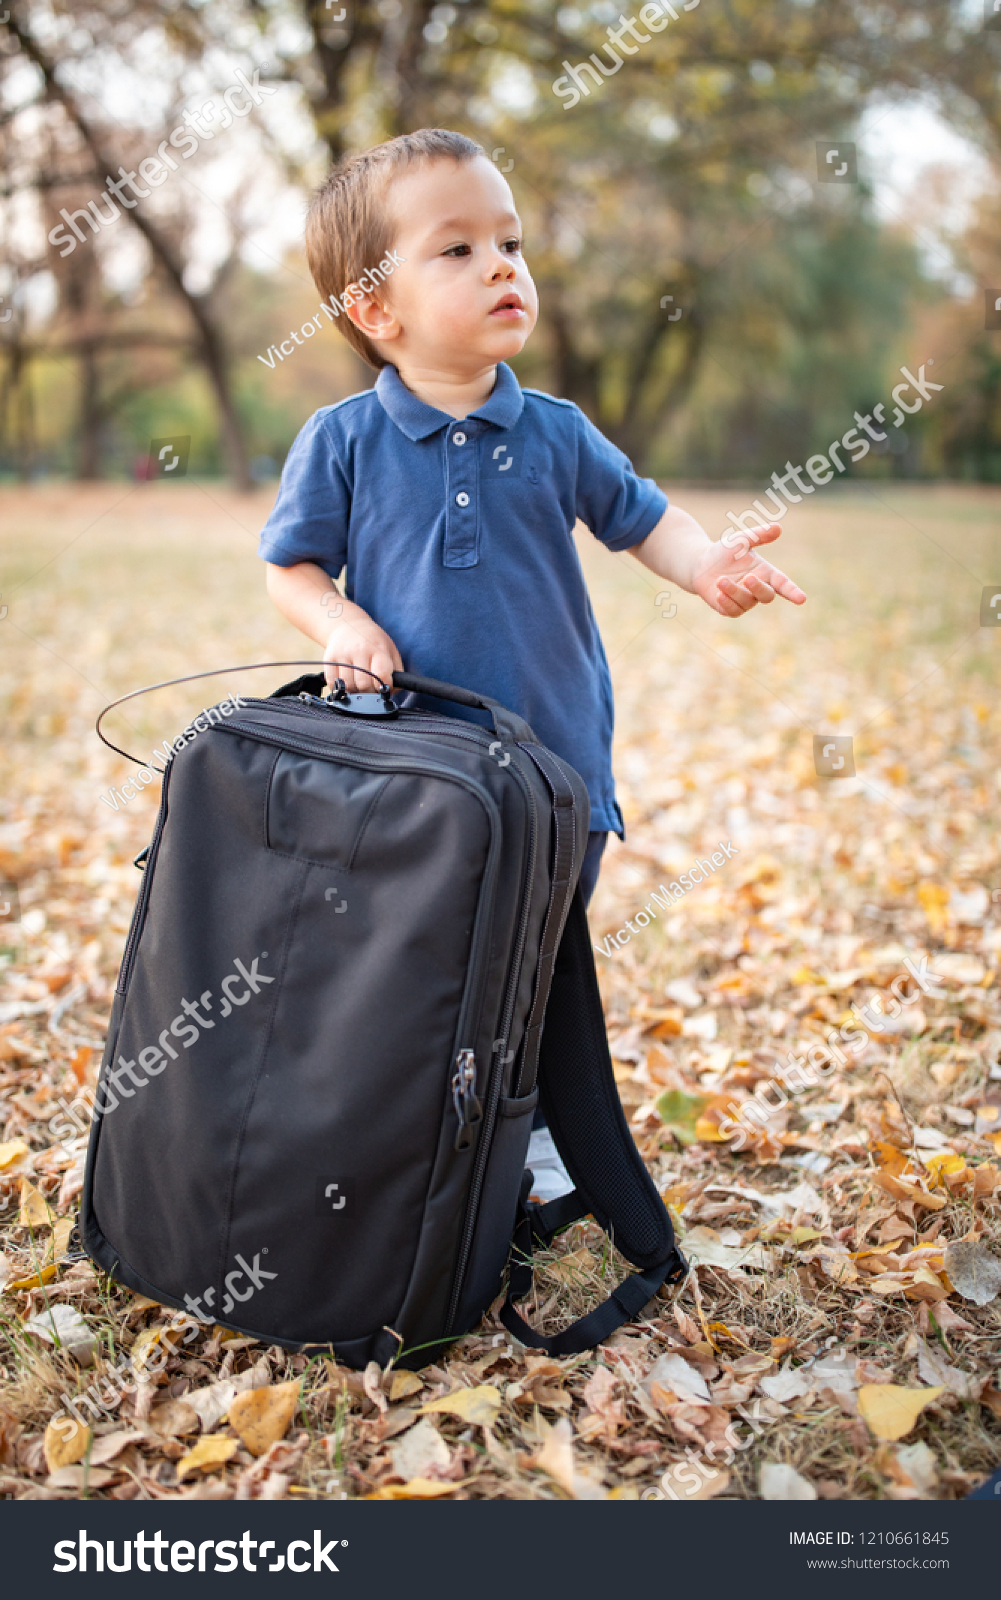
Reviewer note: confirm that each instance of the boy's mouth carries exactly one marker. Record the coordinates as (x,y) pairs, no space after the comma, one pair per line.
(509,305)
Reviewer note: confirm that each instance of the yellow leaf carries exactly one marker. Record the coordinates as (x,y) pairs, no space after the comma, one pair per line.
(36,1279)
(12,1152)
(416,1489)
(909,1191)
(944,1164)
(403,1384)
(995,1139)
(479,1405)
(890,1410)
(34,1211)
(800,1236)
(65,1443)
(150,1337)
(708,1132)
(890,1158)
(206,1455)
(61,1231)
(805,975)
(555,1457)
(261,1416)
(623,1492)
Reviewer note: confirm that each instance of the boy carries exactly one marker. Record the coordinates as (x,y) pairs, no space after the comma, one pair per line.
(447,492)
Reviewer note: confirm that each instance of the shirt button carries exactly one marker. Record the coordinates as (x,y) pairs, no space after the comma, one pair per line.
(458,438)
(462,498)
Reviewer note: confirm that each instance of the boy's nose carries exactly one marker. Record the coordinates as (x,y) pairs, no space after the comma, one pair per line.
(503,267)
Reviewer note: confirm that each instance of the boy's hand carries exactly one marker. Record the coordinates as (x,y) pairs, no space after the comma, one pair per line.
(361,643)
(731,578)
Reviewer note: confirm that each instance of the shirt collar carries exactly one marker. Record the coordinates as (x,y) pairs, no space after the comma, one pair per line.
(418,420)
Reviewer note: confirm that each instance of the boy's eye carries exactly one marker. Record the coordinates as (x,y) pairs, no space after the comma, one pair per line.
(512,246)
(457,250)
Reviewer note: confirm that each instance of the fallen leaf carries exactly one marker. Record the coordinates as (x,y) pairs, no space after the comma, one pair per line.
(174,1417)
(34,1211)
(206,1455)
(933,1368)
(671,1372)
(80,1478)
(973,1271)
(778,1481)
(213,1401)
(704,1248)
(421,1448)
(678,1481)
(44,1275)
(111,1445)
(372,1384)
(944,1164)
(66,1444)
(61,1230)
(680,1112)
(789,1384)
(479,1405)
(403,1384)
(890,1159)
(262,1416)
(890,1410)
(64,1326)
(555,1455)
(416,1489)
(12,1154)
(910,1467)
(909,1191)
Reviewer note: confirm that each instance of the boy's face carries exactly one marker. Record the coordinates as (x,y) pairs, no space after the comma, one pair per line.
(464,298)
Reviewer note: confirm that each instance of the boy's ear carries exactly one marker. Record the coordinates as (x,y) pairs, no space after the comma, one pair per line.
(376,321)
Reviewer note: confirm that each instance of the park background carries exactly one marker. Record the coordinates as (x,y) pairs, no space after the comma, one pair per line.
(824,1300)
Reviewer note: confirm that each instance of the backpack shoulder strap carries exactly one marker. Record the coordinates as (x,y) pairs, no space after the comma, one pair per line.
(581,1105)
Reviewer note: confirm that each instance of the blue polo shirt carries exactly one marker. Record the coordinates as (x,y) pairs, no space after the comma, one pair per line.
(457,538)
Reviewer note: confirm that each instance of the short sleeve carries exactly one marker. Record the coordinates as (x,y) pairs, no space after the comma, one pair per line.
(619,507)
(309,521)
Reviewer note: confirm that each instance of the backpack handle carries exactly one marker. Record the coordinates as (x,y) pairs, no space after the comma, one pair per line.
(505,722)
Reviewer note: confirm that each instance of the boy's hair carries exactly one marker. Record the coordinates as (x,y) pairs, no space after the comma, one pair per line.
(348,228)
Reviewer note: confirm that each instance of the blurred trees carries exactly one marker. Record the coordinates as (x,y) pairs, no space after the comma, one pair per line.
(686,181)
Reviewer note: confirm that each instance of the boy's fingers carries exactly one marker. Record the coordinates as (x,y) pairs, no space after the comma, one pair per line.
(759,587)
(734,600)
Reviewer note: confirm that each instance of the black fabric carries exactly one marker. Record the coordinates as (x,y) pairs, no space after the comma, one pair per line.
(569,844)
(581,1104)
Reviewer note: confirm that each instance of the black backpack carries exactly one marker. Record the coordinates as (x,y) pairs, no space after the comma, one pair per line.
(357,962)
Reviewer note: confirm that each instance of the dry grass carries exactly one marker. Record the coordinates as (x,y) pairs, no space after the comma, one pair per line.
(832,886)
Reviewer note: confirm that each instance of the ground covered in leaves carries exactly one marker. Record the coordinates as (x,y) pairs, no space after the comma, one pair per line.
(806,1040)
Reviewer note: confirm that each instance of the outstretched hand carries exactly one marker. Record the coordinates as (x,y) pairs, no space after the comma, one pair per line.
(731,577)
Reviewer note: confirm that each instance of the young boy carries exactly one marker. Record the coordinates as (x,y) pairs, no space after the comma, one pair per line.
(447,492)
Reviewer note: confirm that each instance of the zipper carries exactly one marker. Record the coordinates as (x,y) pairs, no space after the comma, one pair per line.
(139,914)
(467,1105)
(495,1074)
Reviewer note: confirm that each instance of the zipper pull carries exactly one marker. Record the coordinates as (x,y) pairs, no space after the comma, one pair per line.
(464,1098)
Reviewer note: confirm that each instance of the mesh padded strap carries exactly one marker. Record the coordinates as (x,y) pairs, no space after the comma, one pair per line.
(581,1105)
(565,869)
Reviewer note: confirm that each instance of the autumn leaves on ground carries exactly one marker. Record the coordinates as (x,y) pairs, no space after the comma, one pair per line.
(838,1335)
